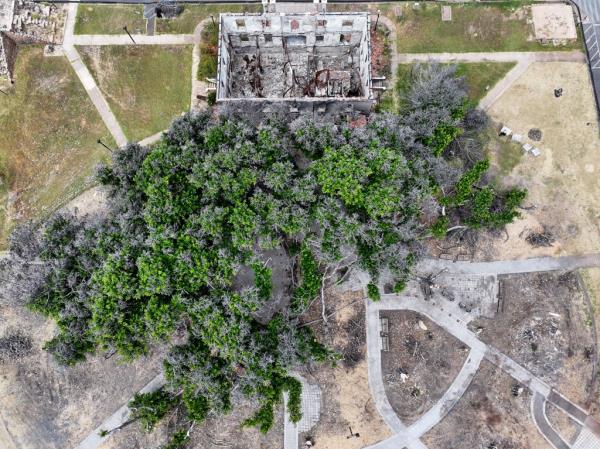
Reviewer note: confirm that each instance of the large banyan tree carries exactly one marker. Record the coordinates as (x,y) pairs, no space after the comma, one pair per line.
(229,230)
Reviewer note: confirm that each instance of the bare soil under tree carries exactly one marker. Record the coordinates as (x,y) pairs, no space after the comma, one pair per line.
(54,407)
(346,401)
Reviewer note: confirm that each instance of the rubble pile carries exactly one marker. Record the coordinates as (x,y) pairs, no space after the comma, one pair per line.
(40,22)
(24,21)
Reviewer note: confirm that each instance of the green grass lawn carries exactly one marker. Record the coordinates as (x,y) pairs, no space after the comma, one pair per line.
(146,86)
(482,76)
(110,19)
(474,27)
(192,15)
(49,148)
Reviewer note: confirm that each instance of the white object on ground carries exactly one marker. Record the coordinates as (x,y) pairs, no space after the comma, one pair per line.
(527,147)
(446,13)
(505,131)
(517,138)
(535,152)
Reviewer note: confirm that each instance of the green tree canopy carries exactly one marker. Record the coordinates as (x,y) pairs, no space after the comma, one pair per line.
(200,223)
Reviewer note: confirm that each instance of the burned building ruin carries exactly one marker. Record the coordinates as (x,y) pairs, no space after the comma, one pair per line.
(315,62)
(27,22)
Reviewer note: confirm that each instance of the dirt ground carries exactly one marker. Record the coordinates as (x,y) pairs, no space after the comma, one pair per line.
(52,407)
(563,182)
(381,52)
(92,201)
(346,400)
(493,415)
(424,352)
(544,323)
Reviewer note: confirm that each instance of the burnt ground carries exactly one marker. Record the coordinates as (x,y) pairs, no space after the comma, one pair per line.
(544,324)
(431,358)
(48,406)
(346,401)
(488,413)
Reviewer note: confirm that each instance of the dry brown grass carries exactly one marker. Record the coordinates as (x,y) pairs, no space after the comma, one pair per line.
(563,183)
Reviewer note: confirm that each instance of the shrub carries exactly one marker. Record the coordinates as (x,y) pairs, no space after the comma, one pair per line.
(211,97)
(294,388)
(310,283)
(438,229)
(178,440)
(150,408)
(373,292)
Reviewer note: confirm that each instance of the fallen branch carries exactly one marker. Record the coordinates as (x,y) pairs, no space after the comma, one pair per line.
(330,314)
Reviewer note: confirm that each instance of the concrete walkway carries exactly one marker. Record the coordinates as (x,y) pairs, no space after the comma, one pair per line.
(375,372)
(538,411)
(198,86)
(523,60)
(502,86)
(454,320)
(311,411)
(140,39)
(451,396)
(410,437)
(511,266)
(586,440)
(290,430)
(150,16)
(500,56)
(88,82)
(152,139)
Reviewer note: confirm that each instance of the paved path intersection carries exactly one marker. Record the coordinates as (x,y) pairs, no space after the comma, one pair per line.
(454,320)
(71,40)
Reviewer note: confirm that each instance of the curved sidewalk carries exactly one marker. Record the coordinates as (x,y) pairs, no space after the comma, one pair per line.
(538,412)
(410,436)
(451,318)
